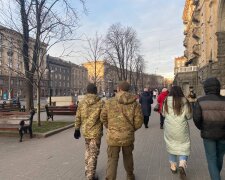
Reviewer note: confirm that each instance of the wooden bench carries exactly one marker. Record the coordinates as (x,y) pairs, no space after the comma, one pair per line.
(11,107)
(13,113)
(59,110)
(17,122)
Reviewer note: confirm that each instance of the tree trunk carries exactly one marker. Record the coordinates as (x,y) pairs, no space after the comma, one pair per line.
(95,79)
(29,93)
(25,51)
(38,104)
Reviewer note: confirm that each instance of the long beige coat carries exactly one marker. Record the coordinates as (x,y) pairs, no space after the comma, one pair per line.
(176,133)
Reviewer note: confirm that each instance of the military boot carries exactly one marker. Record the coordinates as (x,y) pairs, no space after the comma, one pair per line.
(131,177)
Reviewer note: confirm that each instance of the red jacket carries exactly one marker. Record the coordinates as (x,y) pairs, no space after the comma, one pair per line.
(162,96)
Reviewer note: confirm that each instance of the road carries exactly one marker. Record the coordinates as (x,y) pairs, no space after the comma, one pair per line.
(61,157)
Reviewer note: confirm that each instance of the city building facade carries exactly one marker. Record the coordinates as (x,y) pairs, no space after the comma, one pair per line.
(185,76)
(103,74)
(12,73)
(79,79)
(66,78)
(204,43)
(107,78)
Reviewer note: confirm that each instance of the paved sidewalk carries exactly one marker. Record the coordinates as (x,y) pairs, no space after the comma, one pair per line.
(61,157)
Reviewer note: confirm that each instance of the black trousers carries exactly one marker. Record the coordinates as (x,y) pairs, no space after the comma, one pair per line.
(161,120)
(146,120)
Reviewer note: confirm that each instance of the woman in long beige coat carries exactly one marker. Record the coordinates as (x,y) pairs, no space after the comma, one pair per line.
(177,112)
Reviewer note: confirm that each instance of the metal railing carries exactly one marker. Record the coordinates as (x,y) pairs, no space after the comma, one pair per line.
(186,69)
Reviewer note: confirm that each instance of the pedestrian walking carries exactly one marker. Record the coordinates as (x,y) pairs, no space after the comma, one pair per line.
(209,118)
(88,120)
(121,116)
(154,94)
(177,112)
(146,101)
(192,96)
(162,96)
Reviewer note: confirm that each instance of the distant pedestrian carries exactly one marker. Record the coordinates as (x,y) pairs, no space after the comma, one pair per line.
(177,110)
(192,96)
(209,117)
(88,120)
(162,96)
(121,116)
(154,94)
(146,101)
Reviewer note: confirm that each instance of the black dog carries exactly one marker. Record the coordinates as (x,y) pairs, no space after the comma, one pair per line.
(24,128)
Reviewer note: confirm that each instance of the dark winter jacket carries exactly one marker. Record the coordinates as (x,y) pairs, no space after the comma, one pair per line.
(209,111)
(146,101)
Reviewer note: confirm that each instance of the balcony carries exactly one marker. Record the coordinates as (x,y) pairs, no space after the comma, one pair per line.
(196,49)
(196,33)
(186,54)
(195,2)
(192,60)
(185,42)
(196,16)
(187,69)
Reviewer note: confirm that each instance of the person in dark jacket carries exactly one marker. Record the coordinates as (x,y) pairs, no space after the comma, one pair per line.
(146,101)
(209,117)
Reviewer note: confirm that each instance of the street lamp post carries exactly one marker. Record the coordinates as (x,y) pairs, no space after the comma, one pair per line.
(9,92)
(17,85)
(49,71)
(50,86)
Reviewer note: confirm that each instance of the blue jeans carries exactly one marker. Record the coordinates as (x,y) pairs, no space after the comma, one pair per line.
(173,158)
(214,150)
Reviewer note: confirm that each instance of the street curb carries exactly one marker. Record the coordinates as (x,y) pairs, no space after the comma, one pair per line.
(50,133)
(37,135)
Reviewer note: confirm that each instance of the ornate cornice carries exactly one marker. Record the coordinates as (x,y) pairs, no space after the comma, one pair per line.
(185,12)
(188,11)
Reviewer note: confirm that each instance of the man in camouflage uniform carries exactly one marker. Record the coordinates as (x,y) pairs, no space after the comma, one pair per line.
(122,116)
(88,119)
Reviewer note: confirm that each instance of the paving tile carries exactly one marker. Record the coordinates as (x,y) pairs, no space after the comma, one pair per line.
(61,157)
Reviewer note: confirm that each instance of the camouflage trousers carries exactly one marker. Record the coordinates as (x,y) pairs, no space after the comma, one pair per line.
(113,157)
(91,155)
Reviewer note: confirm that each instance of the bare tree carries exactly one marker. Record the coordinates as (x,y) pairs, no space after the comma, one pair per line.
(121,47)
(42,23)
(94,52)
(138,71)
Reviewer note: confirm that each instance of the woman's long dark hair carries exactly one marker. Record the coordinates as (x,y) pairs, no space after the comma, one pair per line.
(177,94)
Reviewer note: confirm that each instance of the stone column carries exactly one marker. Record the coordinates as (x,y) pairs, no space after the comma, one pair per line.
(221,56)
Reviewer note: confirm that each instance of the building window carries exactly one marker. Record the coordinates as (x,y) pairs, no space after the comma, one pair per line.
(10,63)
(20,82)
(10,44)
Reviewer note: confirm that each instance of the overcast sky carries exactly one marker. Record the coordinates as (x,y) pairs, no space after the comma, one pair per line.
(158,24)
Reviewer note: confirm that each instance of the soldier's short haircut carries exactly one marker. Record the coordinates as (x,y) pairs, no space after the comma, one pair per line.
(124,86)
(91,88)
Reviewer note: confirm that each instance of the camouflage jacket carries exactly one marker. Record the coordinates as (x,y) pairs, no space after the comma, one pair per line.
(88,117)
(122,116)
